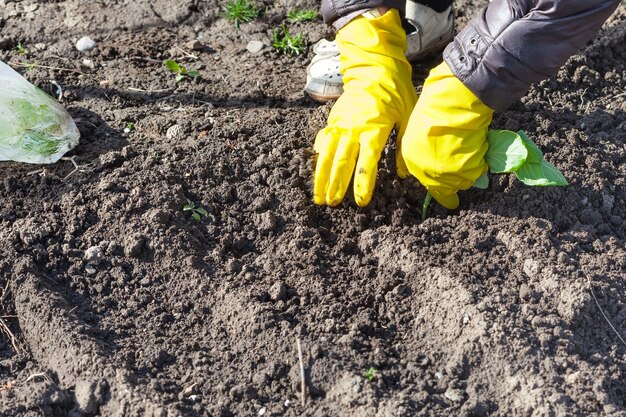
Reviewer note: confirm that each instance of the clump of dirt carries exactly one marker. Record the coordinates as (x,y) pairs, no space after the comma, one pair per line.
(122,304)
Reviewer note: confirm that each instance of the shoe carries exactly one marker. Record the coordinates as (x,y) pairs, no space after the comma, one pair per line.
(432,31)
(323,78)
(427,33)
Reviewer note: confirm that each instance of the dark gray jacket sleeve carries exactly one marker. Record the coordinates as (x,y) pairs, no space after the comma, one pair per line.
(514,43)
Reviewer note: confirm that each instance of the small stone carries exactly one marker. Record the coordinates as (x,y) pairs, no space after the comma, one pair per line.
(278,291)
(262,411)
(85,44)
(454,394)
(254,47)
(175,132)
(438,375)
(88,63)
(90,270)
(94,255)
(194,45)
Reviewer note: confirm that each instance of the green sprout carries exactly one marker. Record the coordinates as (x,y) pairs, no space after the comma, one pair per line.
(297,15)
(240,11)
(196,212)
(514,152)
(21,49)
(370,374)
(427,200)
(129,127)
(288,44)
(180,71)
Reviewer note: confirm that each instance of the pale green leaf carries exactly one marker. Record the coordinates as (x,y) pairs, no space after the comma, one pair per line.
(172,65)
(482,182)
(506,151)
(541,174)
(534,153)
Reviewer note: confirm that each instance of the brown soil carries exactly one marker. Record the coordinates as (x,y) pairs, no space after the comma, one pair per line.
(488,310)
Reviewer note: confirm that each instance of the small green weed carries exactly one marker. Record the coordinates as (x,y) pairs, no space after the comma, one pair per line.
(240,11)
(21,49)
(129,127)
(196,212)
(287,43)
(180,71)
(297,15)
(370,374)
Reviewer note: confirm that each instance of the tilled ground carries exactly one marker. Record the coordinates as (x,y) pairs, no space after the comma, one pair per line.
(122,304)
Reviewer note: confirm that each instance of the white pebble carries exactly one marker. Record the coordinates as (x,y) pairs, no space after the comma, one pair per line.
(94,255)
(455,395)
(254,47)
(85,44)
(89,269)
(175,132)
(262,411)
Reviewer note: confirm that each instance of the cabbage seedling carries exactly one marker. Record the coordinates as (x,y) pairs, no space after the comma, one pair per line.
(506,155)
(196,212)
(514,152)
(180,71)
(370,374)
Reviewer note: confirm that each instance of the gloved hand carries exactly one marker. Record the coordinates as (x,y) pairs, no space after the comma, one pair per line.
(378,96)
(446,138)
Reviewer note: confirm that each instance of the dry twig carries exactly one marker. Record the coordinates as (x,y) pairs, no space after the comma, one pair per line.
(187,54)
(593,294)
(39,375)
(302,374)
(77,168)
(33,65)
(5,329)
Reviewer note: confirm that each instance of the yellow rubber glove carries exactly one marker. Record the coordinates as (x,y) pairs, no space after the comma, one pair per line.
(446,138)
(378,96)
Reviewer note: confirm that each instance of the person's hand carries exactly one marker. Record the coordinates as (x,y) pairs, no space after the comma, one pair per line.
(378,96)
(445,142)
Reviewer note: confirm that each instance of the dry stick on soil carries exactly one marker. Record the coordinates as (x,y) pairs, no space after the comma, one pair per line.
(41,374)
(139,90)
(5,294)
(5,329)
(302,375)
(33,65)
(77,168)
(602,311)
(187,54)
